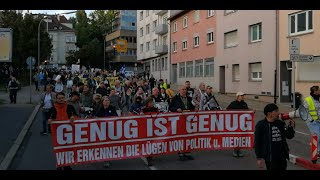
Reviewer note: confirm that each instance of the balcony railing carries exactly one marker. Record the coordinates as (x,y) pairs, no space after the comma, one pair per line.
(161,49)
(161,29)
(160,12)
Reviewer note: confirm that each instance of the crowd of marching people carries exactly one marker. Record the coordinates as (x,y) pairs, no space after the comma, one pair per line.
(90,94)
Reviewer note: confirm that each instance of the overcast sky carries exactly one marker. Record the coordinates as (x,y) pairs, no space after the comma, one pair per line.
(58,12)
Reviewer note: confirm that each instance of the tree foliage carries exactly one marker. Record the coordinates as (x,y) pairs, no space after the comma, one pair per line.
(90,33)
(25,37)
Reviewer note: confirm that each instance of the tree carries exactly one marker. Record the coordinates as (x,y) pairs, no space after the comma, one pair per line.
(90,36)
(25,37)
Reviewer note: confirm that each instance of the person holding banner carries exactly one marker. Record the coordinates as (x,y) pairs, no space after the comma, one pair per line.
(179,103)
(149,109)
(270,137)
(238,104)
(106,110)
(62,111)
(137,106)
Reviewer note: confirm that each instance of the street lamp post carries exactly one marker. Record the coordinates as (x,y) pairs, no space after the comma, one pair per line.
(44,18)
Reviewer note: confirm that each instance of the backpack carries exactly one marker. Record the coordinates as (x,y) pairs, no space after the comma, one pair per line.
(14,84)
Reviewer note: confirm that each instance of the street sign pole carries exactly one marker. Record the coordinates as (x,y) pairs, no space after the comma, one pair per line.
(30,82)
(294,48)
(31,62)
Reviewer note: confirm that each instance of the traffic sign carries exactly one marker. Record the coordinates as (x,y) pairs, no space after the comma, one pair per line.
(294,45)
(301,58)
(121,45)
(31,61)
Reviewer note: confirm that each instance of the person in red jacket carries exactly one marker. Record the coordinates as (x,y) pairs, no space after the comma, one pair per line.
(62,111)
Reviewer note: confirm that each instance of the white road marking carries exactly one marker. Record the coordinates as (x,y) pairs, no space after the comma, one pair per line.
(303,133)
(146,162)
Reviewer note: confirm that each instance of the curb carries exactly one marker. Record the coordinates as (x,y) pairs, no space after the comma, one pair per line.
(16,145)
(303,162)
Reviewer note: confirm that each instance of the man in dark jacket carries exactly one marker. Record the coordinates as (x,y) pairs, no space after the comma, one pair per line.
(179,103)
(238,104)
(270,137)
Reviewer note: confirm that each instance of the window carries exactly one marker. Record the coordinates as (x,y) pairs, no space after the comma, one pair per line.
(230,39)
(236,72)
(141,48)
(208,67)
(147,46)
(141,32)
(154,44)
(210,13)
(184,45)
(134,40)
(196,16)
(300,22)
(185,22)
(159,64)
(162,64)
(133,24)
(174,47)
(156,65)
(166,64)
(199,68)
(175,26)
(154,25)
(152,65)
(196,41)
(70,39)
(141,15)
(164,40)
(182,70)
(148,29)
(210,37)
(255,33)
(147,13)
(255,71)
(189,70)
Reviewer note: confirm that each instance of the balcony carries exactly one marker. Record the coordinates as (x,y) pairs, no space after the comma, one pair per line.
(161,49)
(161,29)
(160,12)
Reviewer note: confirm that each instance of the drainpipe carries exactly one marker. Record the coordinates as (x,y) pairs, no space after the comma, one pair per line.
(276,71)
(169,47)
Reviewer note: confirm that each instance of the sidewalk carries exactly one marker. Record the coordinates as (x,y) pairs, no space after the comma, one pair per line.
(15,121)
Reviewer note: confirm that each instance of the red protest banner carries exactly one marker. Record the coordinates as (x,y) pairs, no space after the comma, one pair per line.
(105,139)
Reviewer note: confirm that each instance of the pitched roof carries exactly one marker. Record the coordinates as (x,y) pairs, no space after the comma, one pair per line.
(57,25)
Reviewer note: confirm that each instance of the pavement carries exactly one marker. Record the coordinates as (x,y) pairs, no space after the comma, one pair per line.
(31,151)
(14,122)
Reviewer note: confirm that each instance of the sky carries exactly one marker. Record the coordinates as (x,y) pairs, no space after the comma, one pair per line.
(58,12)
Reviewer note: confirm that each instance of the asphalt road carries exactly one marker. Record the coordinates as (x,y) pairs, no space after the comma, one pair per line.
(12,119)
(36,153)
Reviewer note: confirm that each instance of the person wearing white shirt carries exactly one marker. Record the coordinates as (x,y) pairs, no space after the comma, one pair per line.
(46,102)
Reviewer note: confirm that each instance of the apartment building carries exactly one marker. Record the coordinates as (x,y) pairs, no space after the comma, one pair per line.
(193,46)
(63,38)
(304,25)
(153,42)
(124,27)
(246,52)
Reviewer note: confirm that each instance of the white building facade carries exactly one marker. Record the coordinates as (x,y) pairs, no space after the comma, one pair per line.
(153,46)
(63,39)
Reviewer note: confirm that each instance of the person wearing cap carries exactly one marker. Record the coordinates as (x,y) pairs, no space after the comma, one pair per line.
(238,104)
(208,101)
(312,104)
(270,136)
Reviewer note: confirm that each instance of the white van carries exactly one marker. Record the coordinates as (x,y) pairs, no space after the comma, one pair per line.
(129,74)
